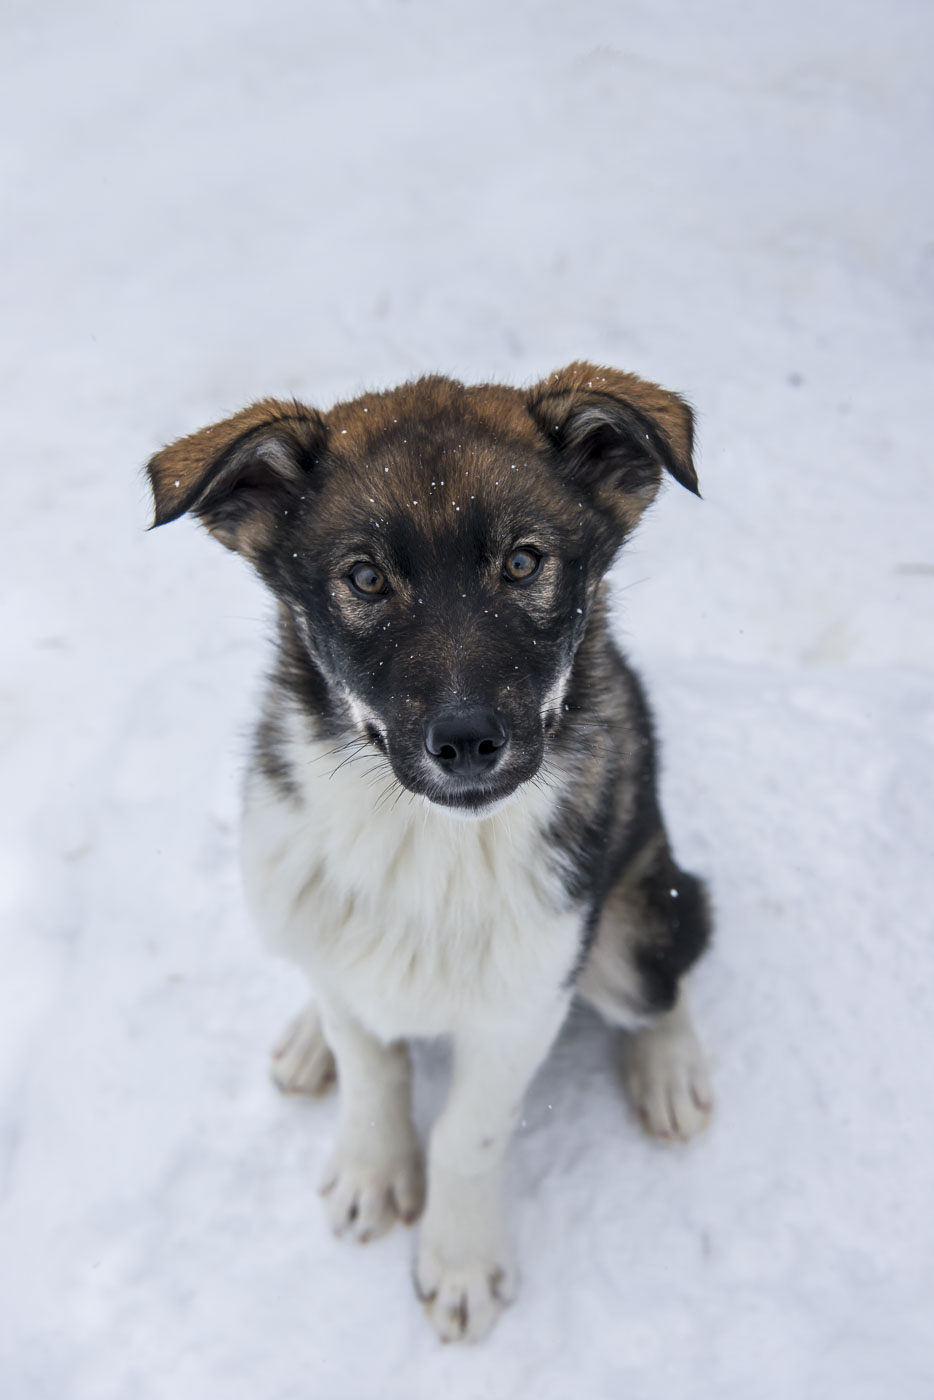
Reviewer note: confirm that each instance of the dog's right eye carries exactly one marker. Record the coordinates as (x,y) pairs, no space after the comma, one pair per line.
(367,580)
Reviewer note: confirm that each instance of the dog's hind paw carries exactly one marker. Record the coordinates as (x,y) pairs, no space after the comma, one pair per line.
(668,1078)
(301,1062)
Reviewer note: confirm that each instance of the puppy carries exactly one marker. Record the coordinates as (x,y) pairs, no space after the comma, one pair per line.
(437,554)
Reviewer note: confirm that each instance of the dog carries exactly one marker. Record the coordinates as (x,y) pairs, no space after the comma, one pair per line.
(438,554)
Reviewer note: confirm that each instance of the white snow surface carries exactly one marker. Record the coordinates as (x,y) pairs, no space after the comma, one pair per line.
(207,202)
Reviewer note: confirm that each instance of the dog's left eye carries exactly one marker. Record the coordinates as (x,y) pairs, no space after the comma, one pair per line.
(522,565)
(367,580)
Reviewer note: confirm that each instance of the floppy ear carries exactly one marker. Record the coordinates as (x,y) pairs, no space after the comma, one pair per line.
(614,434)
(238,476)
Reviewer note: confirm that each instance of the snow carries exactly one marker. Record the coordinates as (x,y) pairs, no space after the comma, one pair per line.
(208,203)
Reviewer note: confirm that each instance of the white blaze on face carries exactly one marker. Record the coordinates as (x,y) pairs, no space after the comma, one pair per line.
(362,715)
(554,698)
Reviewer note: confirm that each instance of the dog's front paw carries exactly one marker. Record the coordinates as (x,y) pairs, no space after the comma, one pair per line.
(364,1197)
(464,1295)
(301,1062)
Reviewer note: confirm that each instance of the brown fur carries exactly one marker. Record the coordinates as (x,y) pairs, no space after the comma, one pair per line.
(185,476)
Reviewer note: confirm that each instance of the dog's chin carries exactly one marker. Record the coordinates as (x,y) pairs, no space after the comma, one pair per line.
(467,799)
(470,808)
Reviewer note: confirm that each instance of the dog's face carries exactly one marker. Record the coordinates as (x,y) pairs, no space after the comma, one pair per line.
(438,549)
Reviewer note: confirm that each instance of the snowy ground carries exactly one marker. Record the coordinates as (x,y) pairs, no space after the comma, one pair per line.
(207,202)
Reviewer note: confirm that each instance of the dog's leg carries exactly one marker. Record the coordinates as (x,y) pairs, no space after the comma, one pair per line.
(464,1271)
(655,924)
(301,1061)
(665,1069)
(374,1174)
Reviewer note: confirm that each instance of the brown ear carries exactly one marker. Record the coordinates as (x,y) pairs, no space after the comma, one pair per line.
(235,475)
(614,434)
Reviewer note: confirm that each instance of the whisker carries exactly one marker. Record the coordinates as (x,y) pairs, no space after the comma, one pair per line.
(384,794)
(339,748)
(349,759)
(377,771)
(399,794)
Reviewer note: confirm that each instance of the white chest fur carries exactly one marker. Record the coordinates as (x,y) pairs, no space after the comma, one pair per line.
(415,919)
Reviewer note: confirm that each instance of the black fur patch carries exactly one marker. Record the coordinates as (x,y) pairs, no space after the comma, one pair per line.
(677,931)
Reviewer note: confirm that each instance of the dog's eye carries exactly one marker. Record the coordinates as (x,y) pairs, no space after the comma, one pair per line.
(522,565)
(367,580)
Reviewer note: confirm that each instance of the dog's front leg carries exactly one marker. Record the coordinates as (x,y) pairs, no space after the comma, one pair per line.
(374,1174)
(464,1271)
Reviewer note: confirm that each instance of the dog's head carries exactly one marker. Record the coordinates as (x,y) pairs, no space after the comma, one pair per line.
(439,549)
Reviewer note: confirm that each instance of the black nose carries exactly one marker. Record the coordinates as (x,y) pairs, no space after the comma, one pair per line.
(466,742)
